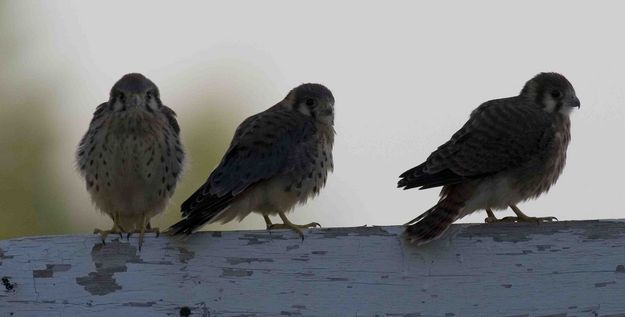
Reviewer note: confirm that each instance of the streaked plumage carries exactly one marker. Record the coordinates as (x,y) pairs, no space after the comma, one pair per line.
(131,157)
(510,150)
(277,159)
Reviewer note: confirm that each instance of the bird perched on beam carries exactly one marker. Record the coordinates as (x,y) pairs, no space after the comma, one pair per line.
(131,157)
(277,159)
(510,150)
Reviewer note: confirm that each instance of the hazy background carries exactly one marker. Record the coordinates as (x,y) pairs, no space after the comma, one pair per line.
(405,76)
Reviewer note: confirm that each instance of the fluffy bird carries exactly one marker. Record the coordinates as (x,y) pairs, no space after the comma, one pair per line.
(510,150)
(277,159)
(131,156)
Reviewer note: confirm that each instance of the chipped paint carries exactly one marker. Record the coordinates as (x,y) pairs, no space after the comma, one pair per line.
(364,271)
(237,261)
(604,284)
(139,304)
(108,259)
(50,269)
(185,255)
(255,238)
(228,272)
(355,231)
(520,232)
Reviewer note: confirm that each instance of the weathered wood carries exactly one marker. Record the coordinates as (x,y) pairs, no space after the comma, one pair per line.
(553,269)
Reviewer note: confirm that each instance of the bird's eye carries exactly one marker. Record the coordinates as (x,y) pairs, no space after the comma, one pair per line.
(310,102)
(121,97)
(149,95)
(556,94)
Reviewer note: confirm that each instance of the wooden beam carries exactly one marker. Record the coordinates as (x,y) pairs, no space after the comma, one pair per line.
(552,269)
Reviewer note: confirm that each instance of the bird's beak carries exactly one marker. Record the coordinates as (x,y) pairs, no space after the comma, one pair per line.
(576,103)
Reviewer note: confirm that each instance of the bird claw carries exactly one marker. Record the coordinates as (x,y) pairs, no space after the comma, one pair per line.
(521,219)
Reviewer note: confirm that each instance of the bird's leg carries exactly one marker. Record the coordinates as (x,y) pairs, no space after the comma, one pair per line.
(491,216)
(268,222)
(146,228)
(155,230)
(287,224)
(117,228)
(144,223)
(521,217)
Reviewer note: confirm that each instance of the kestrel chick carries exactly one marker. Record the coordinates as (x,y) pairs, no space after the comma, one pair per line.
(277,159)
(131,156)
(510,150)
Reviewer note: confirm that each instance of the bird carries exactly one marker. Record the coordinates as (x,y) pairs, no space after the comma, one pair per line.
(510,150)
(277,159)
(131,156)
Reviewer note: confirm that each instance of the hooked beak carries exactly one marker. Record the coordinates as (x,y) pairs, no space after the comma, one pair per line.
(575,103)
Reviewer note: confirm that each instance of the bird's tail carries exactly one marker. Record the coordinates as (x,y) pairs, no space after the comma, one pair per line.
(433,223)
(199,209)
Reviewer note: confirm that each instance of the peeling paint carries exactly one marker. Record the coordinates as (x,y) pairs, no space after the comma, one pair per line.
(604,284)
(3,256)
(185,255)
(108,259)
(257,238)
(363,231)
(50,269)
(229,272)
(237,261)
(520,232)
(137,304)
(292,247)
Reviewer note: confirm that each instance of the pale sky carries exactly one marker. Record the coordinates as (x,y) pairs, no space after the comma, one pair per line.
(405,75)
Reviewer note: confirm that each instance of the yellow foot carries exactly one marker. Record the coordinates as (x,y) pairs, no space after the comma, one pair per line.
(289,225)
(527,219)
(521,217)
(104,233)
(141,234)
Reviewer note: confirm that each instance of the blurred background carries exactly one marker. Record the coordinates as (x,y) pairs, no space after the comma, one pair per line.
(405,76)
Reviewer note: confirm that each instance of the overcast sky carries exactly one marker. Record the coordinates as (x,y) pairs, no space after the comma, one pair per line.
(405,75)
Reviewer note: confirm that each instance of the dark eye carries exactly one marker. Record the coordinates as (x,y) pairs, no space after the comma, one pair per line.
(121,97)
(556,94)
(310,102)
(149,95)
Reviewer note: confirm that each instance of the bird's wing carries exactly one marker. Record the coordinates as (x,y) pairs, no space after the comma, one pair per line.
(500,134)
(264,145)
(171,118)
(86,145)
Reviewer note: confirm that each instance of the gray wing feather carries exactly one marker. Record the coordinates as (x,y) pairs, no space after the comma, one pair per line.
(171,118)
(262,147)
(500,134)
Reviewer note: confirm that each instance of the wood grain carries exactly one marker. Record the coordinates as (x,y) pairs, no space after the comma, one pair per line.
(552,269)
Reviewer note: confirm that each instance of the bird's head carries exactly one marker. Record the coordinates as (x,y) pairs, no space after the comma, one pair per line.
(312,100)
(134,92)
(553,92)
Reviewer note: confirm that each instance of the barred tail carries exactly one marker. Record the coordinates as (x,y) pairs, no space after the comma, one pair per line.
(434,222)
(432,225)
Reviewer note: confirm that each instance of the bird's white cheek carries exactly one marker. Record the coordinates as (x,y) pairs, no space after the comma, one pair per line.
(304,110)
(152,104)
(550,105)
(566,110)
